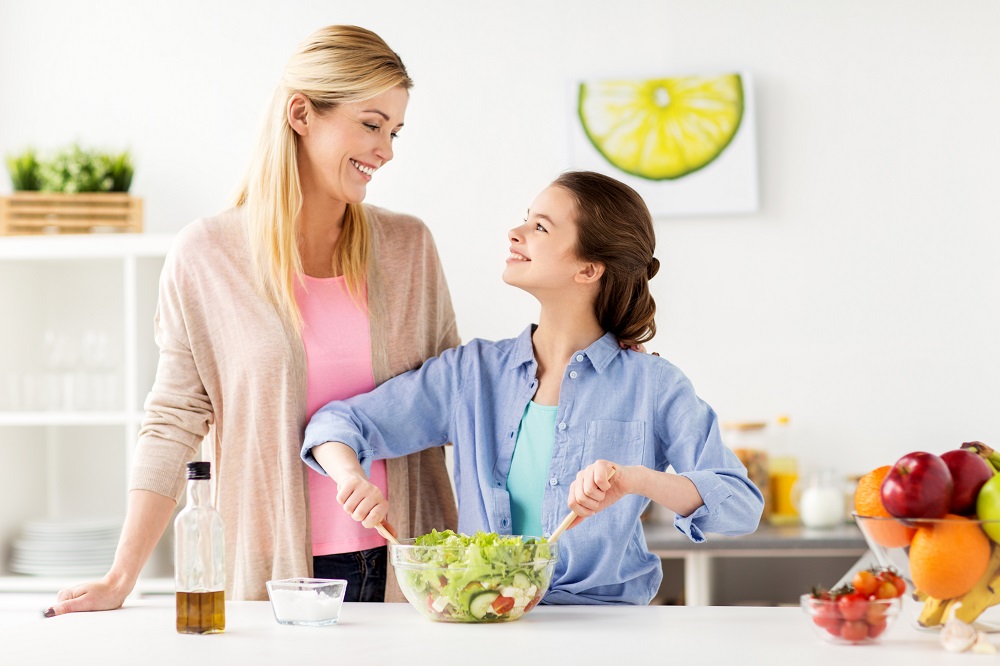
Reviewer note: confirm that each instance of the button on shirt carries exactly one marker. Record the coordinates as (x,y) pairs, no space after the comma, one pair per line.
(622,406)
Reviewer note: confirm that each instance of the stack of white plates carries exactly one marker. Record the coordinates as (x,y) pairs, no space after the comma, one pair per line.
(75,548)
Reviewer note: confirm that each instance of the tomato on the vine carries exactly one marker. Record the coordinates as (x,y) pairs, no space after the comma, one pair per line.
(876,612)
(826,615)
(896,580)
(865,582)
(854,630)
(875,629)
(886,590)
(852,606)
(858,612)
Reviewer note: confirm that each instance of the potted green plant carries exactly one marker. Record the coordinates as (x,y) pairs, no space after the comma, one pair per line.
(75,190)
(121,169)
(23,171)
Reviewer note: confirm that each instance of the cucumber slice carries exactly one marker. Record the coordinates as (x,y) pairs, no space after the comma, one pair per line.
(521,581)
(481,603)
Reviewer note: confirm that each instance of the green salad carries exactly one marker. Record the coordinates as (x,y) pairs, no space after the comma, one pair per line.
(482,578)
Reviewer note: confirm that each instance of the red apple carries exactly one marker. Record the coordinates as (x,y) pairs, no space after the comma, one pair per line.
(919,485)
(968,473)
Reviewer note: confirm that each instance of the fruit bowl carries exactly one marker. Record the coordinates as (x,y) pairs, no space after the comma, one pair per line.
(850,622)
(451,577)
(951,565)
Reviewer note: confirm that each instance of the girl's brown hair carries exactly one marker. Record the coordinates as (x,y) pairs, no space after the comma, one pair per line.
(615,229)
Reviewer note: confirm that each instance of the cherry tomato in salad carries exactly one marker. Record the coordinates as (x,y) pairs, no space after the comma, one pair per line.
(502,605)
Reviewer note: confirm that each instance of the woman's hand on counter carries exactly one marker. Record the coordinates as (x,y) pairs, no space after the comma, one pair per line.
(146,519)
(99,595)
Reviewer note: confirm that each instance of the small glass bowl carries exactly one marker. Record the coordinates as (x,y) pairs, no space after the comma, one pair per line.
(830,625)
(311,602)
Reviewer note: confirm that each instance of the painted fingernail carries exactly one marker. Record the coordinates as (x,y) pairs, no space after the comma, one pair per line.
(49,612)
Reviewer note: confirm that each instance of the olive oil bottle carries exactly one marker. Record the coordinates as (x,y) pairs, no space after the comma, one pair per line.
(199,563)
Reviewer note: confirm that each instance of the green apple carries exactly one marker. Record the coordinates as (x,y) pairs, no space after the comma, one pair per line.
(988,507)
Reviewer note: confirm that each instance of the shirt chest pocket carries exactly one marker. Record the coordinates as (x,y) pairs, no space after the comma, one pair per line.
(619,442)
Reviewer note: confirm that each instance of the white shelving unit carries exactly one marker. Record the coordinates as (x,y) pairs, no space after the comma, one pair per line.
(69,419)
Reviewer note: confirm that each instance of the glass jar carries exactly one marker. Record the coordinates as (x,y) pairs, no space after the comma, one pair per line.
(820,499)
(748,440)
(783,470)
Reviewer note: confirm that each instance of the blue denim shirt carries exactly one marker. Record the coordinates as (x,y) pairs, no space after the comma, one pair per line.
(626,407)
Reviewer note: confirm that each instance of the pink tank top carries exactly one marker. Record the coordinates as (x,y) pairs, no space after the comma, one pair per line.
(339,365)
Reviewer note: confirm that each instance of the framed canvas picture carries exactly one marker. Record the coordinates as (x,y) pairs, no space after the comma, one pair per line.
(685,143)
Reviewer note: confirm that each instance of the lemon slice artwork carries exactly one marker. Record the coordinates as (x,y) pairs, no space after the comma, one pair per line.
(662,129)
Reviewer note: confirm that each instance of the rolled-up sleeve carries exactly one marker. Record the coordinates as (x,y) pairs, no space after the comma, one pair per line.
(687,432)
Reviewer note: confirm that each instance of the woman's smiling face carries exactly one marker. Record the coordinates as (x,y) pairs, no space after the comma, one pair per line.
(340,150)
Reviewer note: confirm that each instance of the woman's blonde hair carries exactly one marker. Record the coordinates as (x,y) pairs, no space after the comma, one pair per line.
(335,65)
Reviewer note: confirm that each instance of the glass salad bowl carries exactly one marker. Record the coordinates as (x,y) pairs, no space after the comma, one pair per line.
(951,566)
(487,577)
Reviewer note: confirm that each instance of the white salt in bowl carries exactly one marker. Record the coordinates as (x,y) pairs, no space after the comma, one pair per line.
(312,602)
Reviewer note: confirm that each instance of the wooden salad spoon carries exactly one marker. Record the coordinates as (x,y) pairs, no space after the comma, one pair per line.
(386,534)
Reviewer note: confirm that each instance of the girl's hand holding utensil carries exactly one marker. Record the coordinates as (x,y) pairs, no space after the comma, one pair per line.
(601,472)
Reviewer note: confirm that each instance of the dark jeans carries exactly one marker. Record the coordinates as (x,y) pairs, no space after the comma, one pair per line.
(364,572)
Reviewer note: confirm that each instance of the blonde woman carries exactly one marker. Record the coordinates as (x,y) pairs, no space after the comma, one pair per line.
(297,296)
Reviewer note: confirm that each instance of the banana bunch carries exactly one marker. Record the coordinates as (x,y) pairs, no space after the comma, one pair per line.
(991,456)
(985,593)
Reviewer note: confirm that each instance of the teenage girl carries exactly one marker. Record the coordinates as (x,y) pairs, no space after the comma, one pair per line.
(539,421)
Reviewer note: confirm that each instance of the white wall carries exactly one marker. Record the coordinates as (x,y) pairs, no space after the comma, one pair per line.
(863,298)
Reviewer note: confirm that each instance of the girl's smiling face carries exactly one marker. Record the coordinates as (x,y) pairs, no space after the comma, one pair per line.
(340,150)
(543,249)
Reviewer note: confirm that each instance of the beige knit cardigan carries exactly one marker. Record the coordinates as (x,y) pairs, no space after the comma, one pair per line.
(232,374)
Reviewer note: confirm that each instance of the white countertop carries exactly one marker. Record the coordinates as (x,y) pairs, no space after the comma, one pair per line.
(143,633)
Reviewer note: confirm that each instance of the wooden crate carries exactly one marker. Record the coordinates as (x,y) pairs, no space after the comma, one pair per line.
(52,212)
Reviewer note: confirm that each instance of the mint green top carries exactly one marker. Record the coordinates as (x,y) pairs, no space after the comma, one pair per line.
(529,468)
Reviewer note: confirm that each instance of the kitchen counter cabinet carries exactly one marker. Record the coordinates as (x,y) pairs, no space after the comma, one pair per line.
(841,546)
(143,633)
(77,363)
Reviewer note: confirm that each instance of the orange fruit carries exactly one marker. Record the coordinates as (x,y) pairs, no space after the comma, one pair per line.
(888,533)
(948,556)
